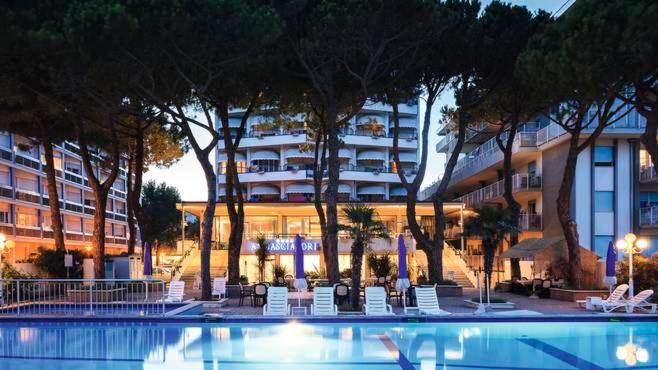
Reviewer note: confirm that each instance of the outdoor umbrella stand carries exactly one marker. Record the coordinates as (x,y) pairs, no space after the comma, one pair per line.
(300,280)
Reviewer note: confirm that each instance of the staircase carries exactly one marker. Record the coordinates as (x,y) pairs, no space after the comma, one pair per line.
(452,262)
(194,266)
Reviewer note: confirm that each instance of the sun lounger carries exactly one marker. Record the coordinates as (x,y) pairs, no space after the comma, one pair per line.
(640,301)
(323,302)
(616,299)
(219,287)
(176,292)
(376,302)
(277,302)
(427,302)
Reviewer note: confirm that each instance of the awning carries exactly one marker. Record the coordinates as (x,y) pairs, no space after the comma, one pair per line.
(406,157)
(342,153)
(528,248)
(404,123)
(369,120)
(398,192)
(296,153)
(265,155)
(371,155)
(239,157)
(300,189)
(342,189)
(371,190)
(265,190)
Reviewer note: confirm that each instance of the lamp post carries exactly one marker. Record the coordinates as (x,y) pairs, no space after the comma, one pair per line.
(631,245)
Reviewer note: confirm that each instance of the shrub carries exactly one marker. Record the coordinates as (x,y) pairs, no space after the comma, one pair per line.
(9,272)
(381,265)
(279,271)
(346,273)
(645,272)
(51,262)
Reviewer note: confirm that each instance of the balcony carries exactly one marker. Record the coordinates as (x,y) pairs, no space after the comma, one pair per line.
(531,222)
(488,154)
(648,174)
(495,191)
(449,141)
(649,216)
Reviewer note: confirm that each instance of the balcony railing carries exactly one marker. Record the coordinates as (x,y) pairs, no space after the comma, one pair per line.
(520,182)
(554,131)
(450,139)
(648,174)
(530,222)
(488,153)
(649,216)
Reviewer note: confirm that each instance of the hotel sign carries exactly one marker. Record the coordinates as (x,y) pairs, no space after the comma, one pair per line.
(285,246)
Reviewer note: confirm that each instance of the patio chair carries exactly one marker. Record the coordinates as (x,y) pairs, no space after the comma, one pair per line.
(341,293)
(219,287)
(545,289)
(376,302)
(277,302)
(260,293)
(616,298)
(392,293)
(245,292)
(641,301)
(176,292)
(427,302)
(323,302)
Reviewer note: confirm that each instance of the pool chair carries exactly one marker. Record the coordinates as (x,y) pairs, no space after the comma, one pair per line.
(176,292)
(614,301)
(427,302)
(277,302)
(640,301)
(376,302)
(219,287)
(323,302)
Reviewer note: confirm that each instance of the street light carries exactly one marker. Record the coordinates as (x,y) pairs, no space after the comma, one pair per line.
(631,245)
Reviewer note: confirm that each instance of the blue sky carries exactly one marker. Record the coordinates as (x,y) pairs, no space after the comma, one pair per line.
(186,175)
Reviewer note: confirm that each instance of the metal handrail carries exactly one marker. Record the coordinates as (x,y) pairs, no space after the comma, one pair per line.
(137,297)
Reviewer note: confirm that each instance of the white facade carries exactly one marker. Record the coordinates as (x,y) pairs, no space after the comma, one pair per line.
(24,210)
(614,191)
(276,163)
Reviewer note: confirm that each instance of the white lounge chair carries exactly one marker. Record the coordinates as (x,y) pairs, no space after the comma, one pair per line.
(615,298)
(376,302)
(427,302)
(323,302)
(176,292)
(277,302)
(219,287)
(640,301)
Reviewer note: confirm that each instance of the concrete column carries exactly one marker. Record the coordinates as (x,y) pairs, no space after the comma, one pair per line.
(282,190)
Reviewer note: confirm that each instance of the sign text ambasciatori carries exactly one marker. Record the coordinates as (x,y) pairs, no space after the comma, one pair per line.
(286,245)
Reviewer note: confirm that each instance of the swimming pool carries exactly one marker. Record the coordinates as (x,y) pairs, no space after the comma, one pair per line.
(181,346)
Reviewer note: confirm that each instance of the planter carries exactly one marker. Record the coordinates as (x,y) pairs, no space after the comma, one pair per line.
(495,306)
(449,290)
(571,295)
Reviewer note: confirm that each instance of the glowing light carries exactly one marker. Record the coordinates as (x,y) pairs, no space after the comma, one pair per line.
(642,243)
(621,244)
(630,238)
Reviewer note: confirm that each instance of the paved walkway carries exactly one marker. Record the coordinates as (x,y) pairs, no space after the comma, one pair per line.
(450,304)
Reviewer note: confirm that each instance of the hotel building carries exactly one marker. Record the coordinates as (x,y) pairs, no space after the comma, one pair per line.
(615,189)
(24,211)
(276,167)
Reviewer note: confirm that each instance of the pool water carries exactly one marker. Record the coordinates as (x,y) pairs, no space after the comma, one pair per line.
(183,346)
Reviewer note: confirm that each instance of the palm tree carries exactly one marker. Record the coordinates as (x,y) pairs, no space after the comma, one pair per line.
(262,254)
(364,225)
(490,224)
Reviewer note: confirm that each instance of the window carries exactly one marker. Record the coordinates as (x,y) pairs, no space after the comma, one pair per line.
(532,168)
(603,201)
(648,198)
(4,216)
(601,243)
(603,155)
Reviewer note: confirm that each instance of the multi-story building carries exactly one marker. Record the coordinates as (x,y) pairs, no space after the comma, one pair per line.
(276,165)
(615,189)
(24,212)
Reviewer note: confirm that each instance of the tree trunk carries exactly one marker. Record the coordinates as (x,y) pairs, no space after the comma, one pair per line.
(319,164)
(357,263)
(53,194)
(489,246)
(508,191)
(436,273)
(564,211)
(206,226)
(130,207)
(98,240)
(331,196)
(136,191)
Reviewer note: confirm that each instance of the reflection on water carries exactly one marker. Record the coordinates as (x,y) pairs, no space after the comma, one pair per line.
(340,346)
